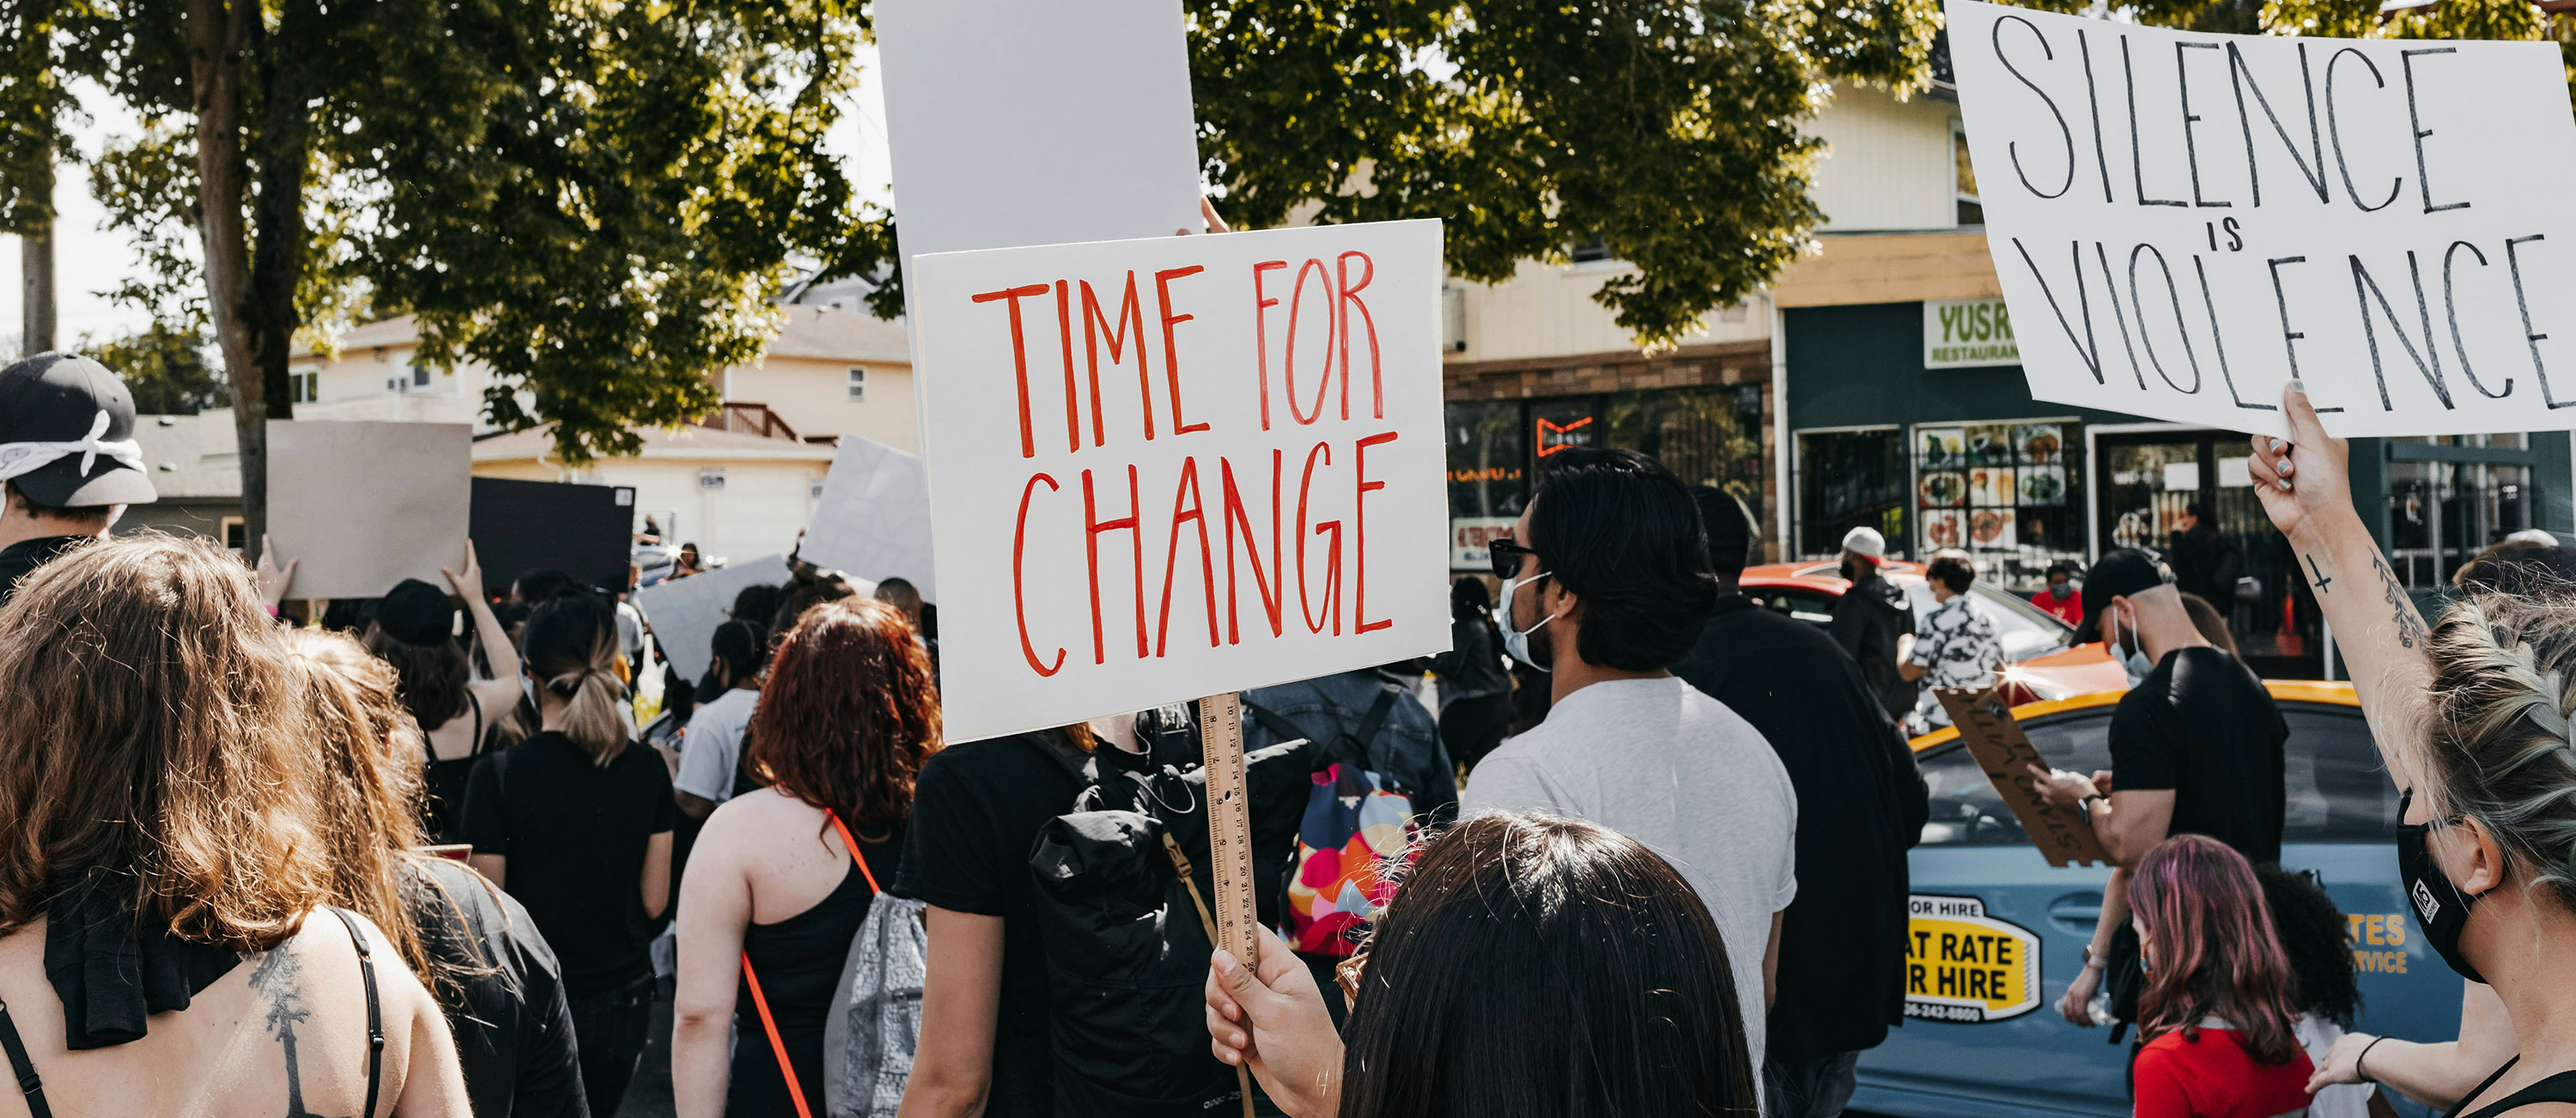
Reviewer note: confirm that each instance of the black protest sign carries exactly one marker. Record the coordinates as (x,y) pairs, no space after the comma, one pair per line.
(585,531)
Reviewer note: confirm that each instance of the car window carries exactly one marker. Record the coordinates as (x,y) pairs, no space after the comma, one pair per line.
(1966,811)
(2025,631)
(1811,606)
(2334,787)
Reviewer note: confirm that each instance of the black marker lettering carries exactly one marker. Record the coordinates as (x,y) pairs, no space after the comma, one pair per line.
(2068,135)
(2243,79)
(2190,150)
(2111,291)
(2423,179)
(2093,99)
(2334,130)
(2364,289)
(2218,340)
(2137,161)
(2513,265)
(2088,348)
(2174,292)
(2289,337)
(2451,307)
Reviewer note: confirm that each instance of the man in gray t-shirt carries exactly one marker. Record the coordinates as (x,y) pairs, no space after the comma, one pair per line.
(1611,587)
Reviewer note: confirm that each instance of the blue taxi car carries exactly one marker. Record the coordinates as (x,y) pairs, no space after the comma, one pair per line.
(1998,932)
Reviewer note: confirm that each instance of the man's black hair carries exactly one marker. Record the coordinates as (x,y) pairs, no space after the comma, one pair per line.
(1952,568)
(2198,510)
(78,514)
(1729,529)
(1619,531)
(545,584)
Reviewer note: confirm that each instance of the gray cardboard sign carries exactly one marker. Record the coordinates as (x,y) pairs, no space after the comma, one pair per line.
(685,611)
(362,506)
(874,518)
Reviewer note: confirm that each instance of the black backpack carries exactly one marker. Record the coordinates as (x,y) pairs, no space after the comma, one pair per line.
(1125,933)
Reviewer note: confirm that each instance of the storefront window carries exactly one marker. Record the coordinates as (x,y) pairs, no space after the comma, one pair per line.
(1486,459)
(1709,435)
(2440,514)
(2004,492)
(1847,480)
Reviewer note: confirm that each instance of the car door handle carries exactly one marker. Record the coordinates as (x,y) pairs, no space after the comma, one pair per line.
(2076,912)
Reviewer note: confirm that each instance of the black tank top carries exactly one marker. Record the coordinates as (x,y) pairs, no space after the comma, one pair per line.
(2557,1088)
(799,961)
(443,781)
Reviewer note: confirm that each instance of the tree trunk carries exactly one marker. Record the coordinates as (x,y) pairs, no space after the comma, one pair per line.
(285,149)
(36,272)
(219,39)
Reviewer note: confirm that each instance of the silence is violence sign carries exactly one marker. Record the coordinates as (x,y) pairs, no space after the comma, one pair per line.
(1173,467)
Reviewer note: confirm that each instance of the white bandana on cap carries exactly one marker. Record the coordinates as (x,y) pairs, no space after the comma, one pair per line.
(25,458)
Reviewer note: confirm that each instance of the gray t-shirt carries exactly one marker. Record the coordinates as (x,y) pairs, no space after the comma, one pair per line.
(711,750)
(1659,762)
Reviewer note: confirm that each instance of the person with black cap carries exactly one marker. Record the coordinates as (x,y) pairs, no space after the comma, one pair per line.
(1862,803)
(68,460)
(461,717)
(2195,749)
(1874,621)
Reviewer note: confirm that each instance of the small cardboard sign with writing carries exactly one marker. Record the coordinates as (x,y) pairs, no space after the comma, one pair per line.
(2005,754)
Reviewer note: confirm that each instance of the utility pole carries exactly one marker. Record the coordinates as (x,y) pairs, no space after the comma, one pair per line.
(36,277)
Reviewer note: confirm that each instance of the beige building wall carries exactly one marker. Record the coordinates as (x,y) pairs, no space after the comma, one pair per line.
(1887,163)
(813,395)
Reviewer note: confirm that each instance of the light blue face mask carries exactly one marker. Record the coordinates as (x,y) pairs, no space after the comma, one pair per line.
(1516,641)
(528,687)
(2134,660)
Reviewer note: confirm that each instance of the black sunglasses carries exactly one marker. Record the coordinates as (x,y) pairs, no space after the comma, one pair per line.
(1506,556)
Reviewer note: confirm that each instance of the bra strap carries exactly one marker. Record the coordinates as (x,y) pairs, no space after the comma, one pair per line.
(375,1012)
(28,1083)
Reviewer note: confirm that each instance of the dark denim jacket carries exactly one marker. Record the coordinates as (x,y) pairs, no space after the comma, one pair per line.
(1408,743)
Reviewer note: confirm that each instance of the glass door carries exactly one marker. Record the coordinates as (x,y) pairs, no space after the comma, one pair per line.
(2148,485)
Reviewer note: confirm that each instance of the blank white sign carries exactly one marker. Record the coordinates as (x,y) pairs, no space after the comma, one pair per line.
(362,506)
(873,520)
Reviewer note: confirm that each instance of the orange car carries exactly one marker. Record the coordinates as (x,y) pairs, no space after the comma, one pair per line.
(2041,659)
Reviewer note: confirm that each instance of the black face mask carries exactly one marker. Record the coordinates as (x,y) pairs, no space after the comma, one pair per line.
(2441,909)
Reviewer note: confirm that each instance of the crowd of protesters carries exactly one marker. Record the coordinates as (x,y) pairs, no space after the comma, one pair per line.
(1692,853)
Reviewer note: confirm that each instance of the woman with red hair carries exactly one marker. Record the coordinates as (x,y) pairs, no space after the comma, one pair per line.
(2218,1014)
(782,877)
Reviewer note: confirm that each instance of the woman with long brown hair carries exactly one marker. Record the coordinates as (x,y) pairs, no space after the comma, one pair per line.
(2217,1019)
(478,949)
(161,808)
(782,877)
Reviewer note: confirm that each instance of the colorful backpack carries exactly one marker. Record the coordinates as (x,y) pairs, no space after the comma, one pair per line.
(1357,820)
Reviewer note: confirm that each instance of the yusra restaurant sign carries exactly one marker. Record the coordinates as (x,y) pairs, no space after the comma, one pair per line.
(2183,222)
(1173,467)
(1966,333)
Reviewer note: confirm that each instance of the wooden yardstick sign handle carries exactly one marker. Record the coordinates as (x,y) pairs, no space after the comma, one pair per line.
(1229,827)
(2062,835)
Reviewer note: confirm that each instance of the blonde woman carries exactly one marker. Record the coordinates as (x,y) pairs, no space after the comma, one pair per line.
(2472,717)
(575,822)
(161,803)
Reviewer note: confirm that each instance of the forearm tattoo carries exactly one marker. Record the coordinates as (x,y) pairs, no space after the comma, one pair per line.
(2401,609)
(279,981)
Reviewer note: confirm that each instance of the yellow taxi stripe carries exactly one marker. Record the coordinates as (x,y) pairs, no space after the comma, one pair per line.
(2283,690)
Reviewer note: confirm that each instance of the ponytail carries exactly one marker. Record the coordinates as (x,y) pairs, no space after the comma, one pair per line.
(571,644)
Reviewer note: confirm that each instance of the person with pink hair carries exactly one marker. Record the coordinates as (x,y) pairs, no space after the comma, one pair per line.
(2218,1015)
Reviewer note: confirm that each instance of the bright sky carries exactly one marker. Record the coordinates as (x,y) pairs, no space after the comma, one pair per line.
(88,260)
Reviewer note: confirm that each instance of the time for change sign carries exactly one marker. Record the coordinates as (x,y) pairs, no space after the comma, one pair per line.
(1968,333)
(2183,222)
(1168,468)
(1964,966)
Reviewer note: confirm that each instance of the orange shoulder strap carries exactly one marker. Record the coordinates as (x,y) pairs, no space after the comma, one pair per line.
(751,978)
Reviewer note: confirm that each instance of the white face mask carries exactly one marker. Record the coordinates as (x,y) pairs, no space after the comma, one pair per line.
(2133,655)
(1516,641)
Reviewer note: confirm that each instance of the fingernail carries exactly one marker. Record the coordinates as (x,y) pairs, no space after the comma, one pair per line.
(2297,387)
(2287,466)
(1225,963)
(2285,485)
(2277,445)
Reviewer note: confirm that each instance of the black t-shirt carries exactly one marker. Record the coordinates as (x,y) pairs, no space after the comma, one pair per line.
(2202,725)
(575,834)
(21,558)
(976,811)
(513,1028)
(1861,806)
(1869,619)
